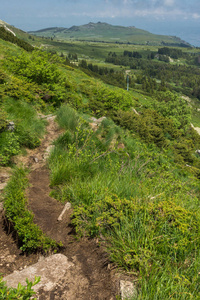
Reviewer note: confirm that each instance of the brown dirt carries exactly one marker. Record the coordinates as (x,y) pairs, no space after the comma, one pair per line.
(92,277)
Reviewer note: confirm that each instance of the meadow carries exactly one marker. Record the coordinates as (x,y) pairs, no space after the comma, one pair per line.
(134,181)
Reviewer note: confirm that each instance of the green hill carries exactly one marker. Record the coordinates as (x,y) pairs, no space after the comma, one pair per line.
(108,33)
(132,177)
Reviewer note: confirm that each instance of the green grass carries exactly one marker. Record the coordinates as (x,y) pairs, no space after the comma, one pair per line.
(129,193)
(29,236)
(107,33)
(21,292)
(27,132)
(142,206)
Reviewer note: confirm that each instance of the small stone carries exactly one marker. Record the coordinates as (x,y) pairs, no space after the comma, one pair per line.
(198,152)
(66,207)
(48,151)
(11,126)
(127,290)
(93,119)
(51,117)
(35,159)
(100,120)
(93,126)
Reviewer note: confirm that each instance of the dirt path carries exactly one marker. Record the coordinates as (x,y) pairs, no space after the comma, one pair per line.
(92,277)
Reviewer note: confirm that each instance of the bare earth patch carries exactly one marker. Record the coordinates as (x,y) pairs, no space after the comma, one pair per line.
(91,276)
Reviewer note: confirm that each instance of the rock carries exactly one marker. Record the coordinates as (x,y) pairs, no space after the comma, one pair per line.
(51,117)
(48,151)
(35,159)
(93,119)
(98,121)
(51,270)
(11,126)
(127,290)
(135,111)
(198,152)
(94,126)
(66,207)
(47,117)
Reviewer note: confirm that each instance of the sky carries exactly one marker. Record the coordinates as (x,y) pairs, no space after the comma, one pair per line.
(171,17)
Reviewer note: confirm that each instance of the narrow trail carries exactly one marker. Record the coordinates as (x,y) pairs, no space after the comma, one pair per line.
(91,277)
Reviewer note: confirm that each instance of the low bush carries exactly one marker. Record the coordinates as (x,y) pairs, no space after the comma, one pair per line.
(3,120)
(21,292)
(9,146)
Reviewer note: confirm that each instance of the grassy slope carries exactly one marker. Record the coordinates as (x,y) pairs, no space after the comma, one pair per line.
(137,198)
(107,33)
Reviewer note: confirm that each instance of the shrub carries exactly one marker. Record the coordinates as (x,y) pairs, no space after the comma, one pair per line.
(21,292)
(9,146)
(28,127)
(3,120)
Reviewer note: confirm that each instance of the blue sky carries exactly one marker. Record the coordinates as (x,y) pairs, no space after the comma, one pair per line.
(171,17)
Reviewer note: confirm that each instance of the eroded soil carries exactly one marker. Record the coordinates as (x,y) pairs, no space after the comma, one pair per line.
(93,277)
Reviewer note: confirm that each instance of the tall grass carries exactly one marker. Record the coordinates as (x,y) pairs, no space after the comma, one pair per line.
(28,127)
(137,199)
(67,117)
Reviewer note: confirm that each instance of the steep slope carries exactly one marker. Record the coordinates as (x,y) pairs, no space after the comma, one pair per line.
(133,186)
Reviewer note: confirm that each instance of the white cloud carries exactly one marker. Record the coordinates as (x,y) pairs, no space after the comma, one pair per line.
(113,9)
(196,16)
(169,2)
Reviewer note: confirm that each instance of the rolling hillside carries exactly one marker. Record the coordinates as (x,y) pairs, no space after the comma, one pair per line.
(108,33)
(127,162)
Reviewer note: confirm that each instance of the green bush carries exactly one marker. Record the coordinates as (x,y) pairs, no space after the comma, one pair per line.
(9,146)
(3,120)
(28,127)
(8,36)
(21,292)
(36,67)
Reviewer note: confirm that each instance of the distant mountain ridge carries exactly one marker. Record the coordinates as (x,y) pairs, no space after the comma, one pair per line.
(104,32)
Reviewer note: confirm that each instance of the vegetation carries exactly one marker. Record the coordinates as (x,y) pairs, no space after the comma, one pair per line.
(21,292)
(26,130)
(132,177)
(8,36)
(135,199)
(103,32)
(30,237)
